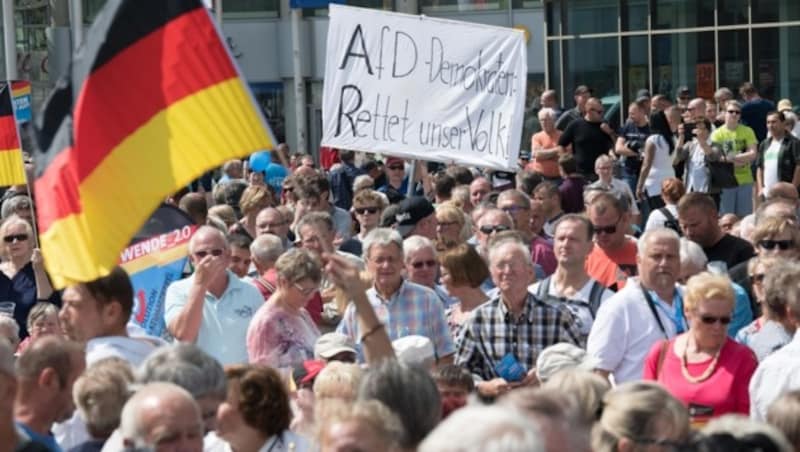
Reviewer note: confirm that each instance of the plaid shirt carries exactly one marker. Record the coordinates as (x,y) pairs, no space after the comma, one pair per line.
(492,333)
(412,310)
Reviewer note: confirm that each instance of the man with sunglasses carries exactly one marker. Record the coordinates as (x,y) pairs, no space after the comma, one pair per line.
(212,308)
(588,139)
(518,205)
(697,215)
(396,180)
(613,258)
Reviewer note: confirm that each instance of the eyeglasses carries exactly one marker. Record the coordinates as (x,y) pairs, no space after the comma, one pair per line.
(15,238)
(771,244)
(735,112)
(366,210)
(757,278)
(201,254)
(488,230)
(513,209)
(710,319)
(289,189)
(610,229)
(271,225)
(396,167)
(306,291)
(420,264)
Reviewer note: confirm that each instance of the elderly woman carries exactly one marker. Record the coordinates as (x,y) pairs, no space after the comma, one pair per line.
(773,329)
(282,333)
(42,321)
(256,414)
(640,416)
(422,267)
(672,190)
(777,237)
(451,228)
(703,368)
(544,146)
(462,272)
(23,271)
(254,198)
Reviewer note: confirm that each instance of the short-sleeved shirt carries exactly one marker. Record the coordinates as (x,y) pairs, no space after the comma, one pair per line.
(492,333)
(223,330)
(731,250)
(613,268)
(588,142)
(571,191)
(625,329)
(280,339)
(734,142)
(412,310)
(778,374)
(621,190)
(632,133)
(547,168)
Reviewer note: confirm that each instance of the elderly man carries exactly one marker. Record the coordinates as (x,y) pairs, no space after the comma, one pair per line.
(642,313)
(404,308)
(613,258)
(272,221)
(491,221)
(503,337)
(212,308)
(422,267)
(518,205)
(162,416)
(570,285)
(697,215)
(416,216)
(694,261)
(478,189)
(265,250)
(46,372)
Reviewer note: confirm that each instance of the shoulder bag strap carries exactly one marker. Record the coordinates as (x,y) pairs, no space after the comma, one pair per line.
(652,305)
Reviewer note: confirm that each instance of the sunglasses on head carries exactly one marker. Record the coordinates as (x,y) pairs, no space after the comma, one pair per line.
(215,252)
(710,319)
(15,238)
(420,264)
(488,230)
(366,210)
(771,244)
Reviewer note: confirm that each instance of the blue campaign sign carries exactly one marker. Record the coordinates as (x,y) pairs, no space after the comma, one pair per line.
(312,4)
(21,93)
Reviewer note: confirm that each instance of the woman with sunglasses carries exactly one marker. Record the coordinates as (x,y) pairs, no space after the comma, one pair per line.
(777,237)
(771,330)
(23,271)
(367,208)
(702,367)
(282,333)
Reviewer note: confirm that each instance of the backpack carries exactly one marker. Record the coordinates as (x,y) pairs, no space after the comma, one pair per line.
(595,294)
(671,222)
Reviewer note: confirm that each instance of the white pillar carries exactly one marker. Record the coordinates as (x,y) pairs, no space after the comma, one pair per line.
(10,40)
(299,83)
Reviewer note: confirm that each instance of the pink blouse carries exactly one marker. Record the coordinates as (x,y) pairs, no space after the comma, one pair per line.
(280,339)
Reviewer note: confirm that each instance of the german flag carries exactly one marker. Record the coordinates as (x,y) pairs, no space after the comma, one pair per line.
(12,169)
(160,102)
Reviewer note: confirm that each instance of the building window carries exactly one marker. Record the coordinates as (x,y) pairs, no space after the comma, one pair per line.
(775,10)
(592,62)
(681,59)
(634,14)
(233,9)
(734,59)
(590,16)
(636,73)
(553,12)
(683,14)
(443,6)
(776,63)
(554,68)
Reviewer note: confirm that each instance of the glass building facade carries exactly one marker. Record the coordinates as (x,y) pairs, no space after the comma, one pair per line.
(618,47)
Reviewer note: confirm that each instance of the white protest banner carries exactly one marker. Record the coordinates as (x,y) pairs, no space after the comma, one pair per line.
(423,88)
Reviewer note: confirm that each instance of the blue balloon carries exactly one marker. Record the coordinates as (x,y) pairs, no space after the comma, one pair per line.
(274,176)
(260,161)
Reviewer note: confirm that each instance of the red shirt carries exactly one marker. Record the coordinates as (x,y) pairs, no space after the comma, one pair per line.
(726,391)
(610,268)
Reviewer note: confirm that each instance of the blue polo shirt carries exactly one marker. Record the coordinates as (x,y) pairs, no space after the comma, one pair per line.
(223,330)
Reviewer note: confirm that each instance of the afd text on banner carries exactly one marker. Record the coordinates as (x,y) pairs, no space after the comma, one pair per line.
(425,88)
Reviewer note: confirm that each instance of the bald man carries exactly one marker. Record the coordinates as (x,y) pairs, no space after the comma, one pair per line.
(162,416)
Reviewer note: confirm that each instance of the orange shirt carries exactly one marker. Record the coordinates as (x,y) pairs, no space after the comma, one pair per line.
(611,269)
(541,140)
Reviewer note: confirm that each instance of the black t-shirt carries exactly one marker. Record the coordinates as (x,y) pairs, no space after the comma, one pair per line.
(731,250)
(588,142)
(634,137)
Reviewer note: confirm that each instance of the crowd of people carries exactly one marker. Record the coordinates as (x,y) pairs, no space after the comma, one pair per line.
(624,290)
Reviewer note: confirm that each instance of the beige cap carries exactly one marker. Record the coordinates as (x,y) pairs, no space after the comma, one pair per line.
(784,104)
(331,344)
(415,350)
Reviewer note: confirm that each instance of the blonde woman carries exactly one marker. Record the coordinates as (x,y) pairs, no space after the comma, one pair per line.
(703,368)
(451,226)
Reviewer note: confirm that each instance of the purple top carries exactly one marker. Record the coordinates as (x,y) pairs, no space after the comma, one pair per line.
(571,190)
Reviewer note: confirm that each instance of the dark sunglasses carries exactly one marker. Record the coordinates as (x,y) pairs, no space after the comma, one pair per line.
(735,112)
(420,264)
(771,244)
(366,210)
(710,319)
(610,229)
(288,188)
(488,230)
(757,278)
(215,252)
(15,238)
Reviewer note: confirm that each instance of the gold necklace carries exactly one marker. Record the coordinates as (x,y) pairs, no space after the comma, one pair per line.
(706,374)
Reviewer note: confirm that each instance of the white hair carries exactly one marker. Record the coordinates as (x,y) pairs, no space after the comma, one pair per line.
(130,425)
(485,429)
(502,245)
(416,243)
(266,248)
(381,237)
(692,253)
(656,234)
(546,111)
(562,356)
(363,181)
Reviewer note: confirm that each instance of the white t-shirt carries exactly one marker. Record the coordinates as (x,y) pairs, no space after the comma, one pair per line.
(771,171)
(696,171)
(657,218)
(661,167)
(778,374)
(624,331)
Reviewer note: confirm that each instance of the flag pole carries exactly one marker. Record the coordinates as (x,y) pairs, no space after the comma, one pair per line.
(9,40)
(24,171)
